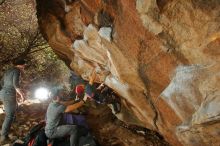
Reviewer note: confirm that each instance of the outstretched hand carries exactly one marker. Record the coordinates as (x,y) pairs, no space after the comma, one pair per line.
(92,77)
(21,94)
(21,99)
(100,86)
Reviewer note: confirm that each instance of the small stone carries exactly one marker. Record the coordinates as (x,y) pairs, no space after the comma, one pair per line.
(34,123)
(140,132)
(19,141)
(25,126)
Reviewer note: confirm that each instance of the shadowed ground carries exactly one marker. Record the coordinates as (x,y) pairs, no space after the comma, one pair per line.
(105,127)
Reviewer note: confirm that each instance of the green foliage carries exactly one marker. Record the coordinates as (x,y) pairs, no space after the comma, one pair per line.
(20,37)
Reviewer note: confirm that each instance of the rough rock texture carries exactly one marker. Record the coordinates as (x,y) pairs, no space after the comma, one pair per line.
(160,56)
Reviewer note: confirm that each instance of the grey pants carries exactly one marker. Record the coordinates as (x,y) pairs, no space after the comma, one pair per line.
(65,130)
(10,109)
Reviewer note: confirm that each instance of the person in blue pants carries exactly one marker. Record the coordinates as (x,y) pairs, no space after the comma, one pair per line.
(10,86)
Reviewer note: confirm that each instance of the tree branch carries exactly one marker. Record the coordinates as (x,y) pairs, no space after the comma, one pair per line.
(38,50)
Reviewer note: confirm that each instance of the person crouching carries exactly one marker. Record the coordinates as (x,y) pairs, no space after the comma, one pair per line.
(54,115)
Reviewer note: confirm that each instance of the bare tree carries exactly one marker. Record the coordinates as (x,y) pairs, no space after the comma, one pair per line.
(35,42)
(21,38)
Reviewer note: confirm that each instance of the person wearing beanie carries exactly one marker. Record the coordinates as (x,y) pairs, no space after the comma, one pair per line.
(88,89)
(101,95)
(79,91)
(10,86)
(54,115)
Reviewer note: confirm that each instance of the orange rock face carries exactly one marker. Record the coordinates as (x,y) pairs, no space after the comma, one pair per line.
(161,57)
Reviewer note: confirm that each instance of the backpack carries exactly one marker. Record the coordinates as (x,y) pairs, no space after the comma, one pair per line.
(40,139)
(60,142)
(35,137)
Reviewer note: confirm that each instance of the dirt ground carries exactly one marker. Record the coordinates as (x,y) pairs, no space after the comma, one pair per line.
(108,130)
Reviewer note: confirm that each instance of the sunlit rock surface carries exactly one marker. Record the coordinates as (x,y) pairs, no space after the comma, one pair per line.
(161,56)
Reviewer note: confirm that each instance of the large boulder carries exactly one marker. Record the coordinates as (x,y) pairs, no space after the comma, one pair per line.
(161,56)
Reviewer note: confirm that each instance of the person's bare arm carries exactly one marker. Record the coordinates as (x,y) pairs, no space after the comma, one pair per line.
(16,78)
(66,103)
(18,90)
(73,107)
(92,77)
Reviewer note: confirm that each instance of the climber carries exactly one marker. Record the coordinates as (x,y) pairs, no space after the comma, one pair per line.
(54,114)
(80,87)
(101,95)
(10,86)
(105,96)
(75,80)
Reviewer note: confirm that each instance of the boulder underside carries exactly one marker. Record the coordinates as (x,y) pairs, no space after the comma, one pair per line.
(161,56)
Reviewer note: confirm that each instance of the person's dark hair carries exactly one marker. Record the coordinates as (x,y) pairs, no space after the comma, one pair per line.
(19,62)
(54,97)
(55,91)
(90,90)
